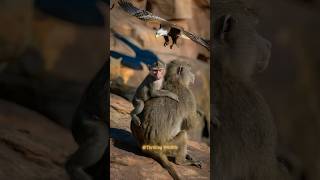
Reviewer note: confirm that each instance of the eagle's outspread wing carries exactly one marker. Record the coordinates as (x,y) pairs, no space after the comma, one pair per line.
(197,39)
(148,16)
(139,13)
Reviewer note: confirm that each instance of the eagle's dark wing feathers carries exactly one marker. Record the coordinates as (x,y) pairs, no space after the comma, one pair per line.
(139,13)
(148,16)
(197,39)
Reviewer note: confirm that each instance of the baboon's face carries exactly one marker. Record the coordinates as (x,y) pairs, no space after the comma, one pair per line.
(181,71)
(157,73)
(186,75)
(239,46)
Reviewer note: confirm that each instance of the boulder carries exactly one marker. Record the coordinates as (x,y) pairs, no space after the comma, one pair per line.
(16,26)
(32,146)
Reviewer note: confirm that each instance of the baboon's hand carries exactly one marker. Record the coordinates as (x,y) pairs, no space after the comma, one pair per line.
(174,97)
(136,122)
(197,164)
(189,157)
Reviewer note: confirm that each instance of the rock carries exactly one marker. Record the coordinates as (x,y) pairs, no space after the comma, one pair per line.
(127,161)
(55,98)
(69,51)
(172,9)
(39,51)
(32,146)
(16,26)
(118,87)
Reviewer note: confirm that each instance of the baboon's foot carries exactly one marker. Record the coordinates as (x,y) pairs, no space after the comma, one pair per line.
(197,164)
(189,157)
(136,120)
(188,161)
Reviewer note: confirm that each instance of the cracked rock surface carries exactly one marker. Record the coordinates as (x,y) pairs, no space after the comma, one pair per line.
(31,146)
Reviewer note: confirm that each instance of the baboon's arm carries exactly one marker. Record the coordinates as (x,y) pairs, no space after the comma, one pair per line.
(161,93)
(144,94)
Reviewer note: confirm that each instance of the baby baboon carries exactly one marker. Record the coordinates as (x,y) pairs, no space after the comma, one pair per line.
(150,87)
(90,131)
(244,144)
(162,118)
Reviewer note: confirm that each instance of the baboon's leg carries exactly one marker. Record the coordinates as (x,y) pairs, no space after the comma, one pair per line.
(165,163)
(166,41)
(90,151)
(138,108)
(182,158)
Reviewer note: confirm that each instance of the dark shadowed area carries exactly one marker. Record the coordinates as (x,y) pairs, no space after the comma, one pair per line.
(49,52)
(291,82)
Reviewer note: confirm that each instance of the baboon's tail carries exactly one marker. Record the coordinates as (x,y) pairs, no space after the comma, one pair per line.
(163,160)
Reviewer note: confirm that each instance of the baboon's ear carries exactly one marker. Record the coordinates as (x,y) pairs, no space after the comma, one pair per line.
(223,26)
(179,70)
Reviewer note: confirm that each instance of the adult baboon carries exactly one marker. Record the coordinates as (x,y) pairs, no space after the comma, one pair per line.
(90,131)
(244,143)
(162,118)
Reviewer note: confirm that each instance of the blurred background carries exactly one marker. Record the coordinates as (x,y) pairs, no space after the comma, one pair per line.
(291,82)
(49,51)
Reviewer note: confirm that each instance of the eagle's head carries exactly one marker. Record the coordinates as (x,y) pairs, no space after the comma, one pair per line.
(161,32)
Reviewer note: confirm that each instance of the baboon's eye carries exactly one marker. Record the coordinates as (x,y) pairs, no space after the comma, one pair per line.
(179,70)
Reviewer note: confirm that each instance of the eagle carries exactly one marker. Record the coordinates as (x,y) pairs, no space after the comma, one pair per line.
(166,29)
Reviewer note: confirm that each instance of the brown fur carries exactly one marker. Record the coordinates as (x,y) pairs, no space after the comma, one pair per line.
(162,118)
(244,143)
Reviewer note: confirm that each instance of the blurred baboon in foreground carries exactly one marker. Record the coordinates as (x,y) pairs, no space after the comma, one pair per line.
(162,118)
(90,131)
(244,143)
